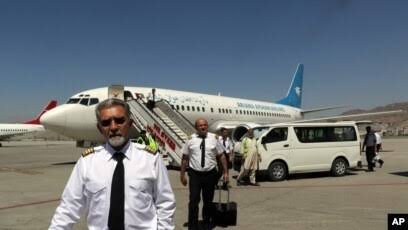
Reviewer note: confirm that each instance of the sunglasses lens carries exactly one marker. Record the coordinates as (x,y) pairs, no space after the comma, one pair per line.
(105,123)
(118,121)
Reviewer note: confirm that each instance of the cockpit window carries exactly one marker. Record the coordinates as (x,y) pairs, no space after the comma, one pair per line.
(93,101)
(73,101)
(84,101)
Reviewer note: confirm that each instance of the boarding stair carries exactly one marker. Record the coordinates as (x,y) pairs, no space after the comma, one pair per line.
(169,126)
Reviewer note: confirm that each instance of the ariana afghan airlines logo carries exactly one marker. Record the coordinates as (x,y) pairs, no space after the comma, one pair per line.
(297,90)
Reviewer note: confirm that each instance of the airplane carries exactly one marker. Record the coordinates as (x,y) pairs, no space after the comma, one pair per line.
(30,126)
(76,118)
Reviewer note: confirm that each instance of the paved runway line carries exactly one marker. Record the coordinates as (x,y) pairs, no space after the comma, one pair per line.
(29,204)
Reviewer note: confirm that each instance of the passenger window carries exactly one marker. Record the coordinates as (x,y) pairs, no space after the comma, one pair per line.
(178,107)
(325,134)
(212,110)
(188,108)
(84,101)
(182,107)
(198,109)
(203,109)
(276,135)
(192,108)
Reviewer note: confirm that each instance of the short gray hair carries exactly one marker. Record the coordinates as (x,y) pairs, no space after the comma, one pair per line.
(110,103)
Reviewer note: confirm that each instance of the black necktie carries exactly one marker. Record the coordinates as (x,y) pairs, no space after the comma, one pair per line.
(223,142)
(202,147)
(117,201)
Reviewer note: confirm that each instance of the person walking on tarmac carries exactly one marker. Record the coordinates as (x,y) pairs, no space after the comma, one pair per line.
(147,140)
(249,151)
(369,145)
(199,154)
(378,147)
(227,145)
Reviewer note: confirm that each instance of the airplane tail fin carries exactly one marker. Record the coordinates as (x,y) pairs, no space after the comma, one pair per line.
(36,121)
(294,96)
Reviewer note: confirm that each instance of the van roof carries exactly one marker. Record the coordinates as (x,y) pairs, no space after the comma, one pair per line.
(306,124)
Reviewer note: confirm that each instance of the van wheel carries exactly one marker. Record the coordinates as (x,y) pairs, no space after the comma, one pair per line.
(339,167)
(277,171)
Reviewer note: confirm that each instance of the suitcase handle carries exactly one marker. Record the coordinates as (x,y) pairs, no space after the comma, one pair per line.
(223,185)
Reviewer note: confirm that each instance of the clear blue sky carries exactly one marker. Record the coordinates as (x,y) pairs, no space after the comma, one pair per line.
(355,52)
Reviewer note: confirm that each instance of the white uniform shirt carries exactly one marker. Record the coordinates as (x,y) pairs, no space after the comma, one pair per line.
(378,138)
(228,144)
(149,199)
(212,149)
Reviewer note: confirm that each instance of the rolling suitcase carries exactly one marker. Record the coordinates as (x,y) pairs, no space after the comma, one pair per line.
(224,214)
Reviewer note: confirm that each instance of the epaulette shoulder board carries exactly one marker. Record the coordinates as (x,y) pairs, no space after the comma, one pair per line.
(88,152)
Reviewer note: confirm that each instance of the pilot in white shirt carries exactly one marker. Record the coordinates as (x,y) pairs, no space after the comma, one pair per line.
(147,198)
(200,154)
(212,149)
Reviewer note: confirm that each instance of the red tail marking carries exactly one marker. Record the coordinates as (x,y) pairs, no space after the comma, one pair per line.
(36,121)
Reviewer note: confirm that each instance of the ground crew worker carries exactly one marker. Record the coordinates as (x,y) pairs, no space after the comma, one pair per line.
(200,153)
(148,140)
(120,184)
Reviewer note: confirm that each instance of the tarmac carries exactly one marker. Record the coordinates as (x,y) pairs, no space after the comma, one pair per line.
(33,175)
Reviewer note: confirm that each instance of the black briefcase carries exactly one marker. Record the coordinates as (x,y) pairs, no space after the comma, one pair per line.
(224,214)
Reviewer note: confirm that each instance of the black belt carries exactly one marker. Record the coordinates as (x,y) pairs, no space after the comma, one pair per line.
(203,173)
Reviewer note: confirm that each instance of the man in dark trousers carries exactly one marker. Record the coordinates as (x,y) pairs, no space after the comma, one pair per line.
(369,144)
(200,154)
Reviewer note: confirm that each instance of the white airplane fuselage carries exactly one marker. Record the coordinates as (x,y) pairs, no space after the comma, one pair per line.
(77,120)
(9,130)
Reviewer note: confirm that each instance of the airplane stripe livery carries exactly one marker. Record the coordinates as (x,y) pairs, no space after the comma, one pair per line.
(76,118)
(33,125)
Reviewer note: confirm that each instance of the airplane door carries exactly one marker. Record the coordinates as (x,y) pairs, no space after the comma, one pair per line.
(116,91)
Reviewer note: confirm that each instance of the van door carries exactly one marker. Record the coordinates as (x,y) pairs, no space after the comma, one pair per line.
(312,149)
(274,145)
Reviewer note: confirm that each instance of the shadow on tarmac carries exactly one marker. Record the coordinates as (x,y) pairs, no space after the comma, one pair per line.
(65,163)
(405,173)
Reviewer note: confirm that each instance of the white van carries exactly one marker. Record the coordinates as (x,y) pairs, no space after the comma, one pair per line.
(309,147)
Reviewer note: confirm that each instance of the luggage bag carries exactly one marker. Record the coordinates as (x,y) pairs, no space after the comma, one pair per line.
(224,214)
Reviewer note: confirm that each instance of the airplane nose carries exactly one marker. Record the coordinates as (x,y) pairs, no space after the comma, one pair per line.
(54,120)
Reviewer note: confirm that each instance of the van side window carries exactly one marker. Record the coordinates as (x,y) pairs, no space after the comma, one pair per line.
(325,134)
(276,135)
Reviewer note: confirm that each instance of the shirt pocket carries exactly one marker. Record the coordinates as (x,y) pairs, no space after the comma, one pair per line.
(141,194)
(96,193)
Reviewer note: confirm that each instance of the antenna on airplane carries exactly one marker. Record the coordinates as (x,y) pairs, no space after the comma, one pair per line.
(219,93)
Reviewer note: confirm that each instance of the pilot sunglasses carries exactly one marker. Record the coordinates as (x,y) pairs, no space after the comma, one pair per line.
(118,120)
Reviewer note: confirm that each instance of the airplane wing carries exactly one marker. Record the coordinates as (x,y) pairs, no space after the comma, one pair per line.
(349,117)
(321,109)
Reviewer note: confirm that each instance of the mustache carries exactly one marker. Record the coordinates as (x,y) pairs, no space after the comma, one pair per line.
(115,134)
